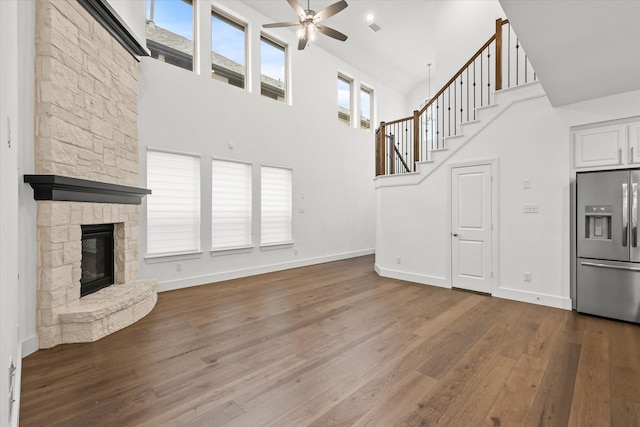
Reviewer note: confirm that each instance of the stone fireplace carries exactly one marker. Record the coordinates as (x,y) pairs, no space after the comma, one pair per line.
(86,169)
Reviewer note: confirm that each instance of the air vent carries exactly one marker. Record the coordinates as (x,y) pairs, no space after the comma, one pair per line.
(375,27)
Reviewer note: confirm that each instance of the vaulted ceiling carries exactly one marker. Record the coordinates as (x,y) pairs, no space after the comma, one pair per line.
(579,49)
(413,34)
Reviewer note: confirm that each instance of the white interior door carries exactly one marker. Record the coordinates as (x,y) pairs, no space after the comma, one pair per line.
(471,228)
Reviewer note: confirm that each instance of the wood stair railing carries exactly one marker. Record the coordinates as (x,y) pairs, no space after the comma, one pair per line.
(414,137)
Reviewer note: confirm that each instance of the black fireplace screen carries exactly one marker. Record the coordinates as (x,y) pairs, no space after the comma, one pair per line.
(97,258)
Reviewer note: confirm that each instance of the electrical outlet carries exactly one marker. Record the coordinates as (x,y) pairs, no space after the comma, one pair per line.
(295,252)
(530,208)
(300,210)
(398,260)
(178,267)
(527,276)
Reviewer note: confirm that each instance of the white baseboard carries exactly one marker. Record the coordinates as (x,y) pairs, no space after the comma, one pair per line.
(441,282)
(30,345)
(533,298)
(171,285)
(506,293)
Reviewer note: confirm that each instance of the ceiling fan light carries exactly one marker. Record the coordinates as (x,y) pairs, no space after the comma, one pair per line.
(300,32)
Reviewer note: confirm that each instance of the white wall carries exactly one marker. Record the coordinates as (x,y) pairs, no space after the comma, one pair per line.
(27,205)
(132,13)
(10,140)
(333,164)
(531,142)
(459,29)
(601,109)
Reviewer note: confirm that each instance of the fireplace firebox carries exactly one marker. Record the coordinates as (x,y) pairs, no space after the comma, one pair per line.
(97,258)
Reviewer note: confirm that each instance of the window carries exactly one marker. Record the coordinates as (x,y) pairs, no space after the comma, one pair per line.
(344,100)
(366,103)
(231,204)
(173,208)
(276,206)
(169,31)
(228,53)
(273,75)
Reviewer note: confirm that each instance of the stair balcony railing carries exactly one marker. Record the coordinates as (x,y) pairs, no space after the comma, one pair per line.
(499,64)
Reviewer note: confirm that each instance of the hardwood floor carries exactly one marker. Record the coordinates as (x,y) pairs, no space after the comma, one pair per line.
(336,345)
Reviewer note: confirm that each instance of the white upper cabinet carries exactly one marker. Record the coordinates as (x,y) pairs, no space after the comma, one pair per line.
(634,143)
(608,146)
(602,146)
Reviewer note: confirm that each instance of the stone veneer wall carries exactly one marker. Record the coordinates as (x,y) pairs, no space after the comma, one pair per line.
(86,98)
(85,127)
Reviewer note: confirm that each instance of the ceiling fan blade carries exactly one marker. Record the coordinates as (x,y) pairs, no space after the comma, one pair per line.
(329,10)
(327,31)
(280,24)
(302,43)
(297,8)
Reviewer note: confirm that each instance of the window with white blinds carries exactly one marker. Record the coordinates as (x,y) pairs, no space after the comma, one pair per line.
(276,205)
(173,208)
(231,204)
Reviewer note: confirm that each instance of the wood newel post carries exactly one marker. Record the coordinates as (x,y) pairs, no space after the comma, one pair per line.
(383,148)
(416,138)
(498,54)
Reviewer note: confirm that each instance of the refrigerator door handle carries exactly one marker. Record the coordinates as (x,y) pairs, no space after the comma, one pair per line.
(615,267)
(625,213)
(634,215)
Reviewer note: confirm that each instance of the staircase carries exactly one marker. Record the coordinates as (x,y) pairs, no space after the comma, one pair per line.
(464,106)
(513,136)
(466,132)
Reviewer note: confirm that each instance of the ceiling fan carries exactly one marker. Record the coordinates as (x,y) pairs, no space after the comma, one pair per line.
(309,21)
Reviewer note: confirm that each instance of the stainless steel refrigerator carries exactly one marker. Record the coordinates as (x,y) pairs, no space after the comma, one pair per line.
(607,247)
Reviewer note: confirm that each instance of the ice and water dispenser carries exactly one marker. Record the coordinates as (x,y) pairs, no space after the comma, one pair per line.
(597,222)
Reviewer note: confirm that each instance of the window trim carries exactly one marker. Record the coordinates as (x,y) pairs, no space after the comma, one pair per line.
(350,80)
(195,57)
(234,20)
(239,248)
(270,38)
(369,89)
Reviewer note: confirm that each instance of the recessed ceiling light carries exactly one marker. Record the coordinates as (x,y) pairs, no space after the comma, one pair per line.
(369,18)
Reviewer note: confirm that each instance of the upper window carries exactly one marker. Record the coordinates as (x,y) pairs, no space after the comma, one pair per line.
(273,69)
(231,204)
(173,208)
(344,100)
(169,31)
(366,104)
(228,50)
(276,206)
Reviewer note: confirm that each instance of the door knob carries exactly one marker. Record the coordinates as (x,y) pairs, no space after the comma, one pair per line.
(455,234)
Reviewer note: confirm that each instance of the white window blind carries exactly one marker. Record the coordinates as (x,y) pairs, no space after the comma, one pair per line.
(231,204)
(275,205)
(173,208)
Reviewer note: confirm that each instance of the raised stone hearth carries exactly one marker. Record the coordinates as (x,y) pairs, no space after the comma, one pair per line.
(87,168)
(64,317)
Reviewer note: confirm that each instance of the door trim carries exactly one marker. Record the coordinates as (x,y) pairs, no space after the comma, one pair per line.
(495,217)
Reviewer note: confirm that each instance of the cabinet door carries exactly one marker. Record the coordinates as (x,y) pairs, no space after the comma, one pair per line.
(634,143)
(603,146)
